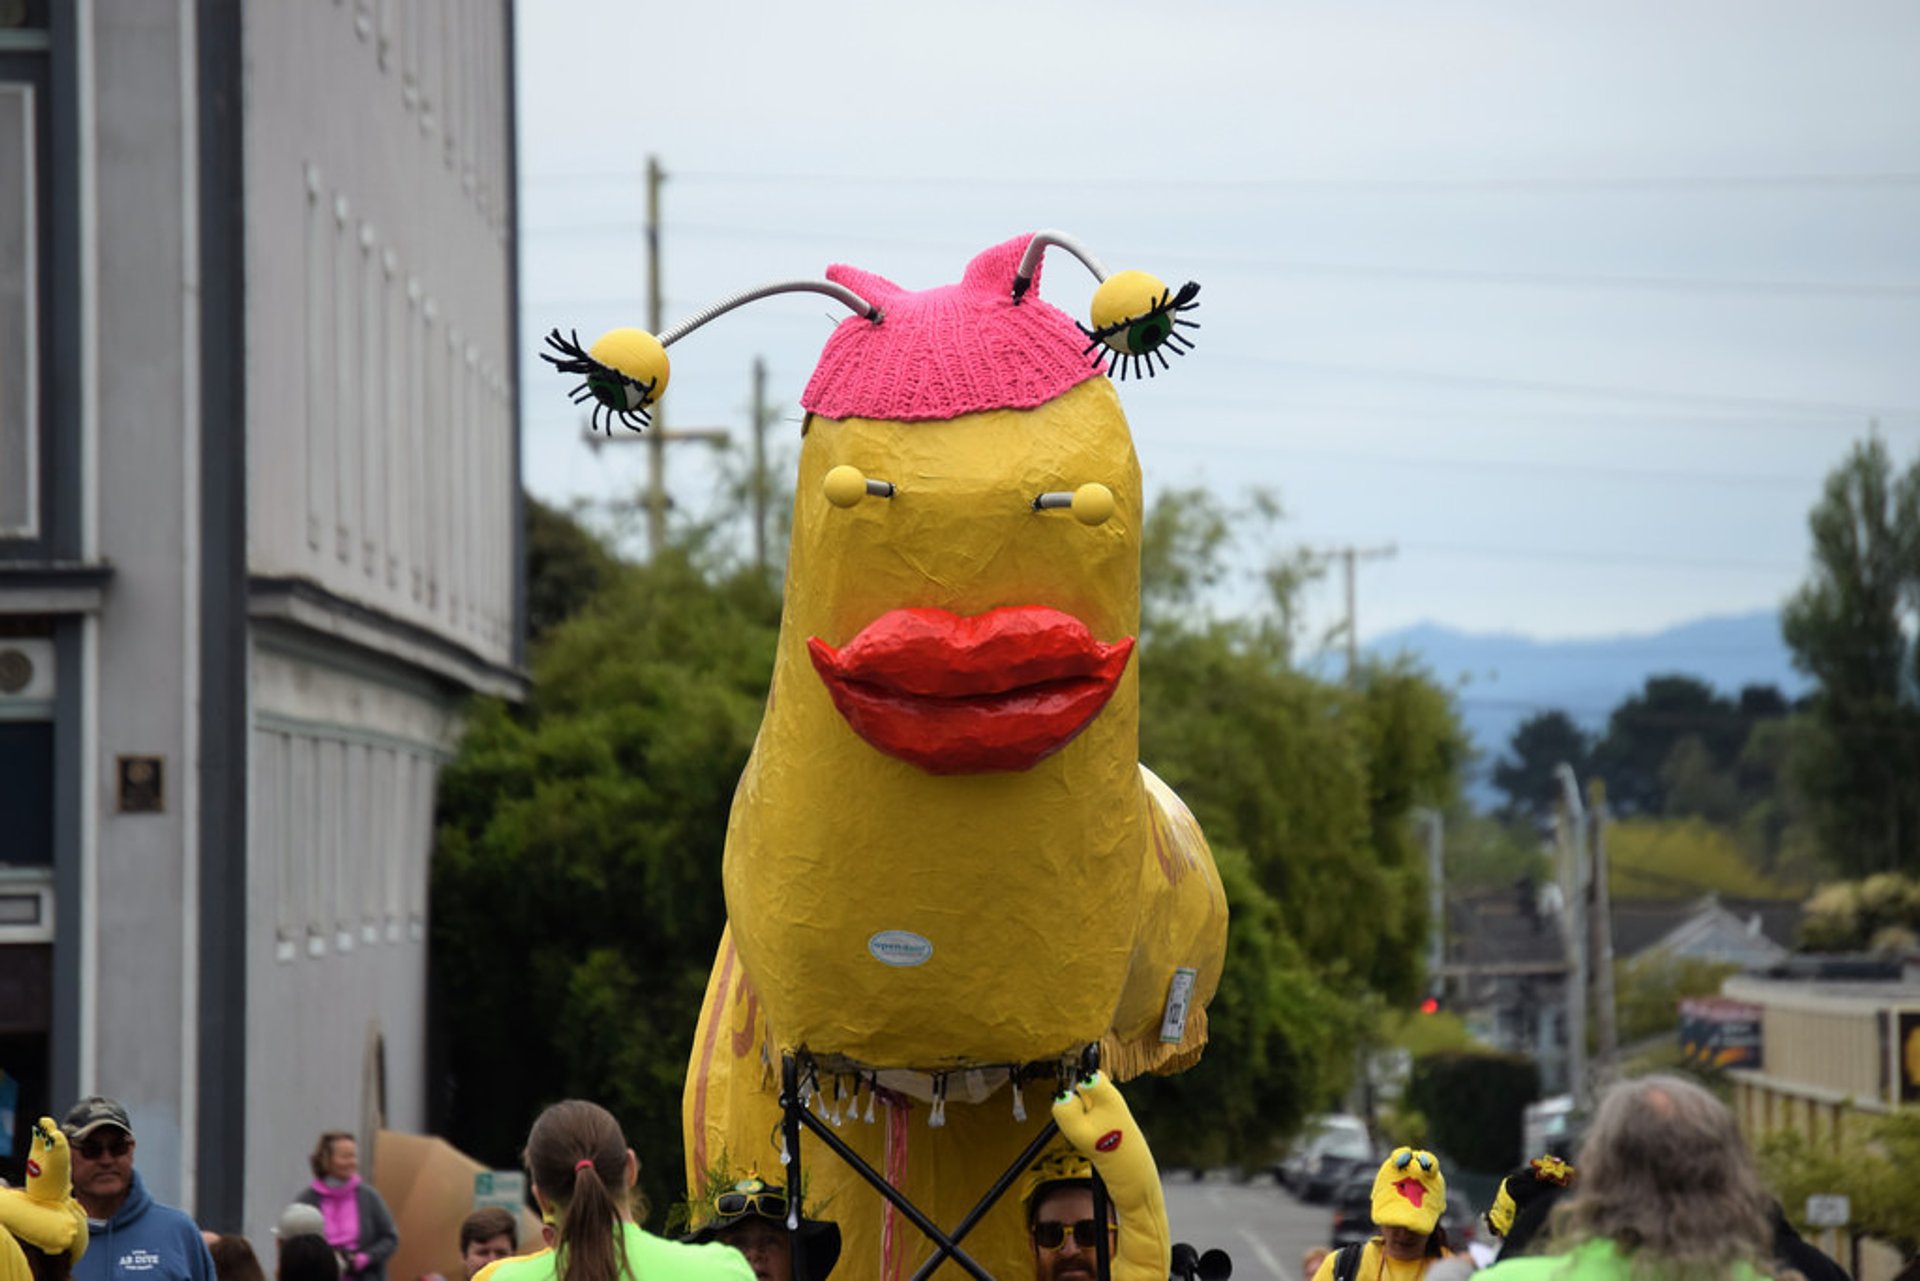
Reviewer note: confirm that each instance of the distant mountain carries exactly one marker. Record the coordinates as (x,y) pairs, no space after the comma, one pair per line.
(1501,680)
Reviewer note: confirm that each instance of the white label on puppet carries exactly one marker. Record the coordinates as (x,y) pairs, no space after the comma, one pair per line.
(899,947)
(1173,1024)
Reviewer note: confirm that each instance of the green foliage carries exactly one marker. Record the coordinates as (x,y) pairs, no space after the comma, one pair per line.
(1423,1034)
(1851,627)
(566,566)
(1542,743)
(1856,916)
(1485,854)
(1281,1042)
(1871,1163)
(576,887)
(1304,790)
(1647,992)
(1670,858)
(1678,733)
(1474,1103)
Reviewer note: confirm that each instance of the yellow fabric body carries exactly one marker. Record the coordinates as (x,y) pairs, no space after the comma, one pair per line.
(831,842)
(13,1263)
(1057,902)
(1376,1266)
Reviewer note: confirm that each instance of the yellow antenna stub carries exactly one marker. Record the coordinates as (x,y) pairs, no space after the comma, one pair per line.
(846,485)
(1092,504)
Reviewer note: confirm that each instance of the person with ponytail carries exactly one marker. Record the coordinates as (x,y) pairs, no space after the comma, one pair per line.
(583,1176)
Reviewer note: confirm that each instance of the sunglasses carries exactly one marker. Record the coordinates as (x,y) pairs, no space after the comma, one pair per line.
(94,1149)
(1050,1234)
(766,1204)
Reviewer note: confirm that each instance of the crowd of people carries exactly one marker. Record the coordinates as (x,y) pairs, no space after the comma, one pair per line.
(1664,1188)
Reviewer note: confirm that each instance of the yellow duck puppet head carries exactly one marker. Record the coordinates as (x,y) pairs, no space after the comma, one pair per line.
(43,1214)
(1409,1191)
(955,655)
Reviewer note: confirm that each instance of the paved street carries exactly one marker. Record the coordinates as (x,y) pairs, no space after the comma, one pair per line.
(1258,1223)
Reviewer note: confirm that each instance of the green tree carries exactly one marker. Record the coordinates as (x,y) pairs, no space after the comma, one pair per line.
(1682,858)
(1474,1102)
(1539,746)
(1871,1164)
(566,566)
(1851,628)
(576,884)
(1644,730)
(1304,790)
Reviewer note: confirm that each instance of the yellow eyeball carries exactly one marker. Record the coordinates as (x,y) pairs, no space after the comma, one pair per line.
(638,355)
(1093,503)
(845,485)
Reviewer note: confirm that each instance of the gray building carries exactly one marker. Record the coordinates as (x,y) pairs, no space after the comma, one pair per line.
(259,527)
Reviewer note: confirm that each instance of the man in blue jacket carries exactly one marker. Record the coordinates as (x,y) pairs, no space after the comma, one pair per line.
(132,1237)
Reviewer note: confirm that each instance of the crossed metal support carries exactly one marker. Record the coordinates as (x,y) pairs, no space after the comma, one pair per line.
(796,1116)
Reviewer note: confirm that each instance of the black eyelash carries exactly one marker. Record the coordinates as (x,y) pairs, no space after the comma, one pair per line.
(604,386)
(1169,304)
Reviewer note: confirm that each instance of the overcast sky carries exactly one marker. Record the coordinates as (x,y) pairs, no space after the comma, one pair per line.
(1574,304)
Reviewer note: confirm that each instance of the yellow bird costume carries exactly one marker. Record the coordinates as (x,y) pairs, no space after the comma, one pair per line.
(946,870)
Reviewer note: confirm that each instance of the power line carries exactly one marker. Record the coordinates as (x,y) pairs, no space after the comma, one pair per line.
(1413,273)
(1564,555)
(1396,458)
(1618,183)
(1601,390)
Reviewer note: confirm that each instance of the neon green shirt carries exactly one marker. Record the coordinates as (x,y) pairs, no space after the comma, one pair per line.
(651,1258)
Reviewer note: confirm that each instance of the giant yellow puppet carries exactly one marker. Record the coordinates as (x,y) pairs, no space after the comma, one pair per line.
(947,872)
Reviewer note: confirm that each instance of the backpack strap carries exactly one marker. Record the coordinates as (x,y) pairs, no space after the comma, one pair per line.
(1346,1263)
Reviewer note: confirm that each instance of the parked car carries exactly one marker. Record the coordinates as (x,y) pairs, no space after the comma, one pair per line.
(1353,1214)
(1334,1146)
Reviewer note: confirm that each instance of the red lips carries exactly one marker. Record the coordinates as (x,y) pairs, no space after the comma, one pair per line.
(965,695)
(1413,1190)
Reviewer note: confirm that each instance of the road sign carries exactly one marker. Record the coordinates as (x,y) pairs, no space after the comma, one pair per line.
(504,1188)
(1828,1212)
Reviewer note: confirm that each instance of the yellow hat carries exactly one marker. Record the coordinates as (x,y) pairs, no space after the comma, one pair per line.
(1409,1191)
(44,1214)
(1054,1167)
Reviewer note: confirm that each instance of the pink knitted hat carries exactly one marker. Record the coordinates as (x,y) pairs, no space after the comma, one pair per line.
(958,349)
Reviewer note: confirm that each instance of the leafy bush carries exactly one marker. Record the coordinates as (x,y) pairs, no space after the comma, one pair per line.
(1474,1103)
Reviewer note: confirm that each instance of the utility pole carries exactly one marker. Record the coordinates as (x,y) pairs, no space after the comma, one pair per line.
(1606,1032)
(656,437)
(1436,893)
(1348,555)
(1572,825)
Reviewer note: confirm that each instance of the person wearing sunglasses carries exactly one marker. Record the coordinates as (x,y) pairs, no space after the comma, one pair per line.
(1058,1196)
(1409,1196)
(751,1216)
(130,1232)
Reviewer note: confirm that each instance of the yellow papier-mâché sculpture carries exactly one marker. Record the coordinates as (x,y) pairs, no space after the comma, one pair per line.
(946,871)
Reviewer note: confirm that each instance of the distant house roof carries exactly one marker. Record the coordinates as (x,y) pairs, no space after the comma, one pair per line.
(1752,933)
(1505,929)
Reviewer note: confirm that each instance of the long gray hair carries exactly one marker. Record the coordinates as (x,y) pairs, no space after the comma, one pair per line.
(1666,1177)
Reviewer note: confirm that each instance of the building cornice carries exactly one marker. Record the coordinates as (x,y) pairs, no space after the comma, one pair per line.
(53,586)
(304,605)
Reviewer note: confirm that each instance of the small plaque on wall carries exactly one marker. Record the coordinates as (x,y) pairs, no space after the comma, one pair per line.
(142,785)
